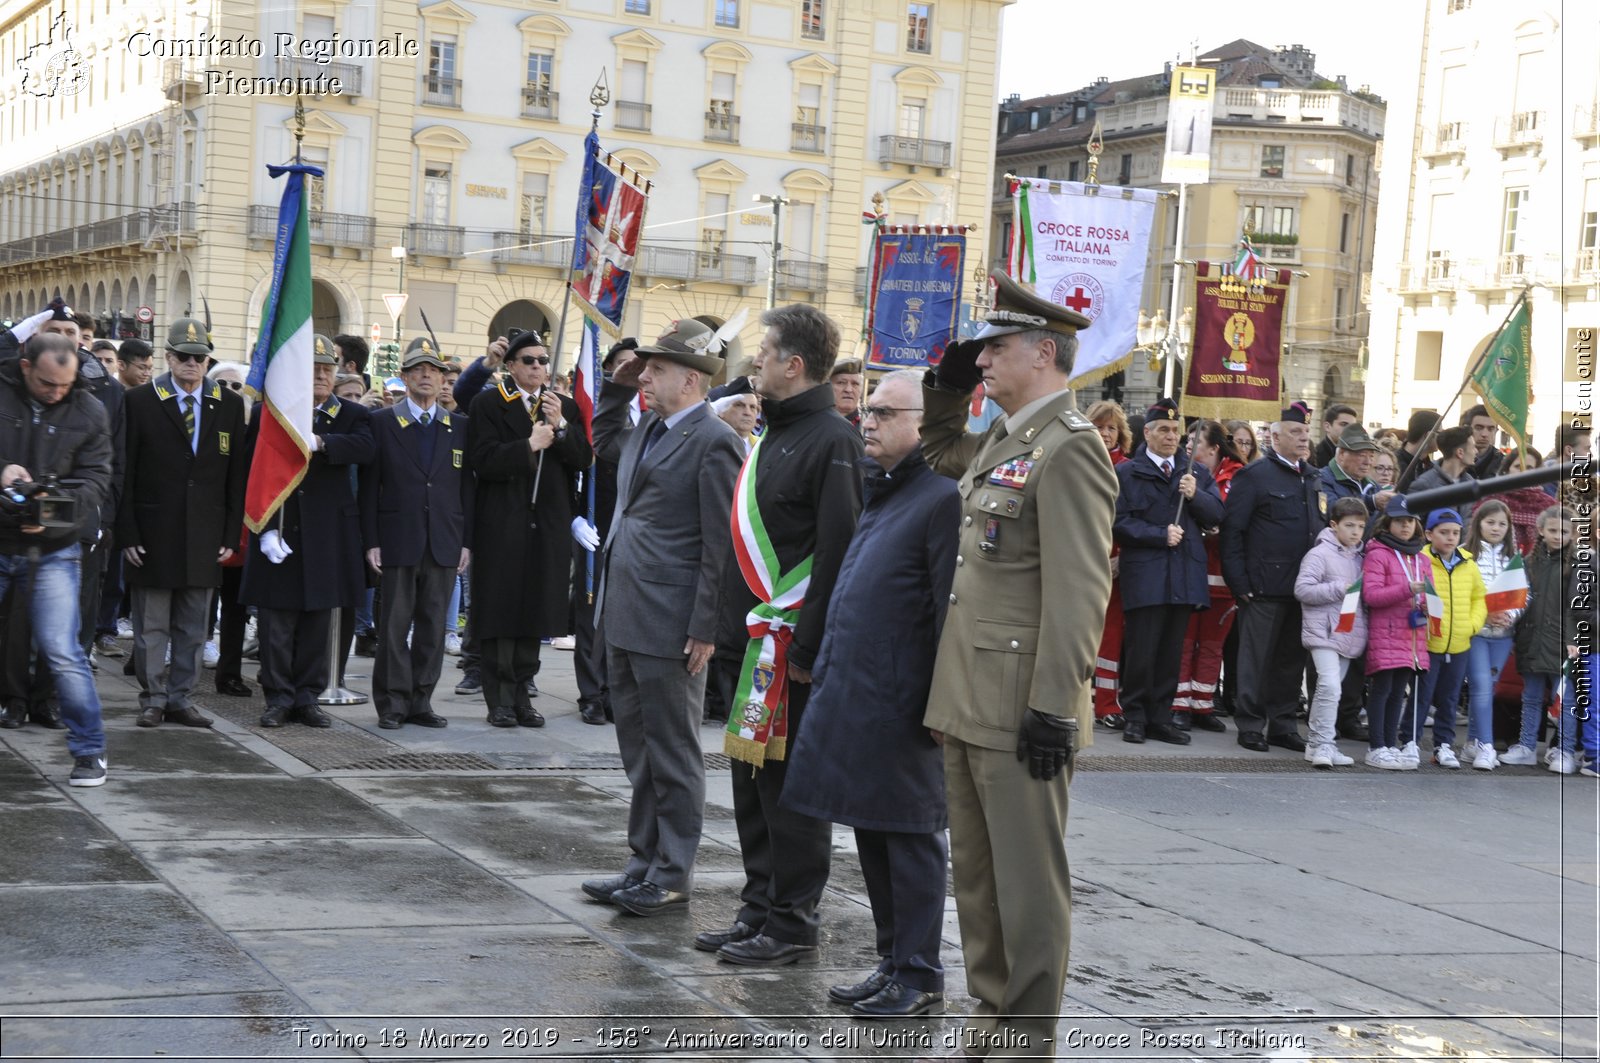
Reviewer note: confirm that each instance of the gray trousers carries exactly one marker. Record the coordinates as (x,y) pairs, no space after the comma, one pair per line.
(657,706)
(413,598)
(166,618)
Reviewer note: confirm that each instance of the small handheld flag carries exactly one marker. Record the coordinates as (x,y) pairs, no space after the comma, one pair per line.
(1510,589)
(1435,611)
(1351,606)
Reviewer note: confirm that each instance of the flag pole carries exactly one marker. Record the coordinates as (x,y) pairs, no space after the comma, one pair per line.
(1427,440)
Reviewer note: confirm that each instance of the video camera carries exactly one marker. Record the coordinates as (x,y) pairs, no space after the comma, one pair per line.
(39,505)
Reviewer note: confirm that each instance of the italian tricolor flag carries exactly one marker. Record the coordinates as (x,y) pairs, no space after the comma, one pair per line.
(1510,589)
(1435,611)
(1347,611)
(280,368)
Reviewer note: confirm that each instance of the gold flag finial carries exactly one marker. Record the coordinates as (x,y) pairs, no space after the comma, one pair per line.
(1095,146)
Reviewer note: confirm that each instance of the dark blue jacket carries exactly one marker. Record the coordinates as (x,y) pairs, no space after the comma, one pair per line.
(863,757)
(410,512)
(1152,572)
(1333,484)
(1274,514)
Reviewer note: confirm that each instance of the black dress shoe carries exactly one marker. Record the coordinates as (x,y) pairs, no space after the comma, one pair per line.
(1253,740)
(1114,721)
(276,715)
(128,669)
(1170,735)
(527,716)
(897,1001)
(391,722)
(1288,741)
(313,716)
(1209,721)
(233,687)
(1356,732)
(428,718)
(867,987)
(471,682)
(762,951)
(649,899)
(47,716)
(365,645)
(13,717)
(601,889)
(188,715)
(1181,719)
(150,717)
(502,718)
(713,940)
(1133,731)
(533,688)
(592,712)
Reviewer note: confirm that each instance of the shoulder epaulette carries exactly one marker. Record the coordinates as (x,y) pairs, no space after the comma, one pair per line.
(509,396)
(1076,421)
(162,393)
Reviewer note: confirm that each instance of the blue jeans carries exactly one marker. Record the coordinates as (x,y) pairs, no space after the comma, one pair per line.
(1440,690)
(452,612)
(1534,689)
(53,611)
(364,624)
(1485,659)
(1387,691)
(1582,693)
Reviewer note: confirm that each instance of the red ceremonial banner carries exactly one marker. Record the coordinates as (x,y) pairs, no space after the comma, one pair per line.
(1235,364)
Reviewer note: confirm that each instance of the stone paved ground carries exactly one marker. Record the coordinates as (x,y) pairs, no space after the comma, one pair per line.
(240,894)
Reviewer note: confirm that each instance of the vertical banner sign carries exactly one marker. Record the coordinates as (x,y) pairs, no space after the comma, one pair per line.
(1505,379)
(1187,159)
(914,306)
(1235,368)
(1086,247)
(610,219)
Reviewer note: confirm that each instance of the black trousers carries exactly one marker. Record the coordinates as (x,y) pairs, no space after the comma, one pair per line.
(111,592)
(589,653)
(294,655)
(1152,649)
(22,686)
(92,567)
(1271,660)
(786,854)
(506,666)
(905,884)
(231,621)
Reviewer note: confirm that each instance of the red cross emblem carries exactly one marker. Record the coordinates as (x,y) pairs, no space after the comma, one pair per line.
(1079,300)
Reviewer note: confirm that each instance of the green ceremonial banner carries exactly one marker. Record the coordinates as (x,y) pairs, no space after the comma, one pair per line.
(1505,379)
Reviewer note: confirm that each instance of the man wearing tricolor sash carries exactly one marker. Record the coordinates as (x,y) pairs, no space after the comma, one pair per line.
(1012,680)
(794,510)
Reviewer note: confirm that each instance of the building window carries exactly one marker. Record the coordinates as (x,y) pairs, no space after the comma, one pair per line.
(811,19)
(1072,170)
(714,233)
(1339,296)
(1589,220)
(441,85)
(919,28)
(531,205)
(728,14)
(1452,6)
(913,113)
(1344,232)
(1516,200)
(436,195)
(636,7)
(1349,169)
(541,67)
(1125,169)
(1043,172)
(316,187)
(1430,346)
(1272,160)
(1282,221)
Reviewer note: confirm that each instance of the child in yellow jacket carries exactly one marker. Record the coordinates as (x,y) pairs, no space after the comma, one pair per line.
(1457,615)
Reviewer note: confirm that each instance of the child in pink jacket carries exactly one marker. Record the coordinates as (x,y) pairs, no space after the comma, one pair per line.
(1327,573)
(1394,579)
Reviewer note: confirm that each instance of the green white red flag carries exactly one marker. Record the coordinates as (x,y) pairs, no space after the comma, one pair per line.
(1435,611)
(1510,589)
(1352,604)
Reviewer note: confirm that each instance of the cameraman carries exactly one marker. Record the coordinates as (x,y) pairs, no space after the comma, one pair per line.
(51,431)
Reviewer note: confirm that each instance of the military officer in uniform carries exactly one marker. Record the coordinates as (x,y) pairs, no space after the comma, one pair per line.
(307,562)
(1015,664)
(179,518)
(416,521)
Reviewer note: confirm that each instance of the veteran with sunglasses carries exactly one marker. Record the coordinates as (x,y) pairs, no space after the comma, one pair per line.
(181,509)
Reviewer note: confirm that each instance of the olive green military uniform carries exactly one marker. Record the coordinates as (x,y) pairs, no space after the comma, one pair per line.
(1024,622)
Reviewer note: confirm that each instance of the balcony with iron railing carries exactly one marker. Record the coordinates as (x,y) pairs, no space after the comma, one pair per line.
(1512,266)
(804,275)
(348,74)
(633,115)
(722,126)
(181,79)
(1444,141)
(804,136)
(1524,129)
(914,151)
(442,240)
(539,102)
(722,268)
(1440,272)
(1586,121)
(1587,264)
(441,91)
(532,249)
(326,227)
(123,230)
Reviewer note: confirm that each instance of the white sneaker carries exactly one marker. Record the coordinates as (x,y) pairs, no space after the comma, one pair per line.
(1382,757)
(124,628)
(1410,756)
(1339,759)
(452,644)
(1469,749)
(564,642)
(1445,757)
(1519,755)
(1485,760)
(1564,763)
(1550,753)
(1320,756)
(212,654)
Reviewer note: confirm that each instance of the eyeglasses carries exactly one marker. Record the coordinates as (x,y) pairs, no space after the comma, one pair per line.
(184,356)
(237,385)
(886,413)
(532,359)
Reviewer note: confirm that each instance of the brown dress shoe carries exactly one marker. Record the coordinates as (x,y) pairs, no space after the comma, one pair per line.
(150,717)
(188,715)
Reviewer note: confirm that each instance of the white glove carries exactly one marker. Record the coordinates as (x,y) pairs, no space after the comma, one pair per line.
(29,325)
(273,548)
(585,533)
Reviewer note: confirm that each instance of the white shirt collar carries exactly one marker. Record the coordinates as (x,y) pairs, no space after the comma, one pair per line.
(418,411)
(1158,461)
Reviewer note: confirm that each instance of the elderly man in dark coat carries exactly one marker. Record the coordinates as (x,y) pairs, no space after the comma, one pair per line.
(865,759)
(1161,506)
(526,444)
(308,562)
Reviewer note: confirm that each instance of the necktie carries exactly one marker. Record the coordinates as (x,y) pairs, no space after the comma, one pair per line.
(427,419)
(1166,469)
(188,419)
(653,435)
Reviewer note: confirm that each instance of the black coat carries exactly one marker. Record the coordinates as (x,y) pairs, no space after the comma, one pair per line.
(182,506)
(1152,572)
(413,513)
(70,442)
(524,546)
(1273,516)
(320,522)
(864,759)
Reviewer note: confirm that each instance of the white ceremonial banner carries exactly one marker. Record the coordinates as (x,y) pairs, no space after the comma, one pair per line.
(1187,158)
(1085,247)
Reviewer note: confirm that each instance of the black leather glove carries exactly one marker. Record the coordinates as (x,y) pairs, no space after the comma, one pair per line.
(1045,742)
(958,369)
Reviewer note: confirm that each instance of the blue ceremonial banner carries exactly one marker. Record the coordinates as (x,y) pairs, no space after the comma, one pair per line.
(915,297)
(610,221)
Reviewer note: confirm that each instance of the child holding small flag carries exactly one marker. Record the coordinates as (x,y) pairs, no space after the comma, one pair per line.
(1489,543)
(1333,623)
(1456,613)
(1394,581)
(1541,641)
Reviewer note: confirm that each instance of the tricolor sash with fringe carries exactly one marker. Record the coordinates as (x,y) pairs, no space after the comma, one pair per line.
(758,723)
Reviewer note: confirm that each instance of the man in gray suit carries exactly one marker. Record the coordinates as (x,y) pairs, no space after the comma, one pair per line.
(660,596)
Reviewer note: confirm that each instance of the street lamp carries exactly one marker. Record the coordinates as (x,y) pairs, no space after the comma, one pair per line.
(778,203)
(1156,338)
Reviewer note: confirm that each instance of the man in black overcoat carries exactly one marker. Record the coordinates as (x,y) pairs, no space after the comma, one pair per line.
(308,562)
(526,445)
(179,517)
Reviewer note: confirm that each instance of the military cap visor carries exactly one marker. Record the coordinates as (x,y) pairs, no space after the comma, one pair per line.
(845,365)
(323,352)
(188,336)
(1018,310)
(420,352)
(685,344)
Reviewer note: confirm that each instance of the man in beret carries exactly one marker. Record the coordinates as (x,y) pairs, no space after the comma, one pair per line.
(179,519)
(846,381)
(1012,679)
(664,563)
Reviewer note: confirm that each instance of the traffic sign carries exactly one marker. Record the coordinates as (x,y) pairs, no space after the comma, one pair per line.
(396,302)
(377,333)
(144,315)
